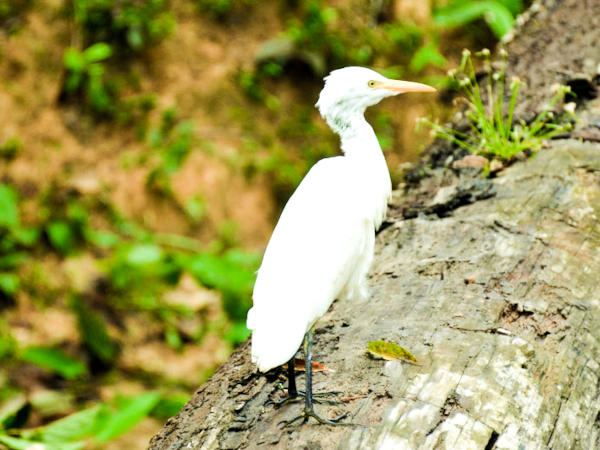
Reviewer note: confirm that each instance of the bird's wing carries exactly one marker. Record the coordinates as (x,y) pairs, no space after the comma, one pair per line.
(315,247)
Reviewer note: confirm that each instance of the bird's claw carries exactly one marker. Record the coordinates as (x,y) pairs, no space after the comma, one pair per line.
(285,401)
(307,413)
(316,399)
(321,394)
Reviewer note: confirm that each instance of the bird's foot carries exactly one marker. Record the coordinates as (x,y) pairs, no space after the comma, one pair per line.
(321,394)
(285,401)
(317,398)
(307,413)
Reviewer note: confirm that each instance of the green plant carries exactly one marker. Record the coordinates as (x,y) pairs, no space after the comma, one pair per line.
(172,142)
(106,28)
(493,130)
(93,332)
(15,241)
(313,30)
(127,25)
(427,55)
(85,76)
(54,360)
(220,9)
(498,14)
(66,224)
(100,423)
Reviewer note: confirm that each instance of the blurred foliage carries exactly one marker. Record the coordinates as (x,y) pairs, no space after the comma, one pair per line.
(221,9)
(86,77)
(98,424)
(54,360)
(111,32)
(498,14)
(171,142)
(10,12)
(126,25)
(16,241)
(138,266)
(10,148)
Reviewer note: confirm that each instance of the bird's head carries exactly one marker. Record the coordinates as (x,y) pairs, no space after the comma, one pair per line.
(351,90)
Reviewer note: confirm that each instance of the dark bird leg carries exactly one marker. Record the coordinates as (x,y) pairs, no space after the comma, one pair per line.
(291,366)
(294,393)
(309,410)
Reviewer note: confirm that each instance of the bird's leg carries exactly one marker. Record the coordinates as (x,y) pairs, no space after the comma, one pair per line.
(309,410)
(291,366)
(293,395)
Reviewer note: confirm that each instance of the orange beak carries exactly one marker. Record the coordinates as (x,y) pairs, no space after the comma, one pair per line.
(403,86)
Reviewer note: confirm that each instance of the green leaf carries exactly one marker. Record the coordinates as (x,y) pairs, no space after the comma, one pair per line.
(172,336)
(500,20)
(9,283)
(16,443)
(26,236)
(390,351)
(100,238)
(93,331)
(237,333)
(135,39)
(14,413)
(143,254)
(498,17)
(61,236)
(73,427)
(97,52)
(9,211)
(228,275)
(95,72)
(54,360)
(73,81)
(12,260)
(169,405)
(24,444)
(514,6)
(74,60)
(428,55)
(195,207)
(127,416)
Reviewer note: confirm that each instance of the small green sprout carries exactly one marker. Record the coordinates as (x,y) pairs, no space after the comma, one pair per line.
(494,133)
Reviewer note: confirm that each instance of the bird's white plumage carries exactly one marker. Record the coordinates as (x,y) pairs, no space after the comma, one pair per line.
(322,246)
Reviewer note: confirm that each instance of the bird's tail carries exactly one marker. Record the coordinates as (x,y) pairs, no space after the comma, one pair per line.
(274,340)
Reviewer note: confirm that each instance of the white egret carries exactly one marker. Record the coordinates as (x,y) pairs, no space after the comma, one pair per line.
(322,246)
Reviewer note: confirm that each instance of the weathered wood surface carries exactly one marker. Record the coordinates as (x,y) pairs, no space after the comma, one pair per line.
(497,294)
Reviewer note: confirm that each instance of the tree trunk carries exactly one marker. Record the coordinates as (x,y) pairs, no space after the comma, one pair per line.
(492,284)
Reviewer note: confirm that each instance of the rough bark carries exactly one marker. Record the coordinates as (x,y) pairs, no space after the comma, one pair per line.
(491,284)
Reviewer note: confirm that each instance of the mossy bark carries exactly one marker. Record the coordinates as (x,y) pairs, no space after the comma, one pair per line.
(492,284)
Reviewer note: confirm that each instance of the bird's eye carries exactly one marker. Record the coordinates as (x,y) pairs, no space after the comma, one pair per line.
(371,83)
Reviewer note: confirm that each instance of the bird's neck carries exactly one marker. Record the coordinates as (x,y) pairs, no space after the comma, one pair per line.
(360,145)
(358,140)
